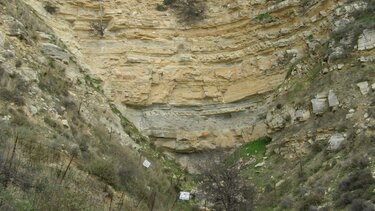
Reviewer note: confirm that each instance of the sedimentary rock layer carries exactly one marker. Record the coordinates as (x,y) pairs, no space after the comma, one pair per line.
(190,86)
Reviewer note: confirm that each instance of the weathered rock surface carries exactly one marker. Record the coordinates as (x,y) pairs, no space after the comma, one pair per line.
(363,87)
(275,122)
(302,115)
(147,57)
(55,52)
(367,40)
(336,141)
(319,105)
(190,88)
(17,29)
(182,129)
(333,101)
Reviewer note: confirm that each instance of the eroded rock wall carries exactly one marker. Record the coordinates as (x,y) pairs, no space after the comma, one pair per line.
(191,87)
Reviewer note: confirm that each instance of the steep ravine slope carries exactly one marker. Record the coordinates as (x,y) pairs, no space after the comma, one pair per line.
(196,87)
(63,144)
(81,109)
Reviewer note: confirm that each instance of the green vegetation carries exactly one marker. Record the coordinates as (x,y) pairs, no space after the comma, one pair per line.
(307,3)
(12,88)
(94,83)
(129,127)
(263,17)
(147,148)
(256,148)
(161,7)
(53,83)
(50,8)
(298,86)
(11,96)
(314,72)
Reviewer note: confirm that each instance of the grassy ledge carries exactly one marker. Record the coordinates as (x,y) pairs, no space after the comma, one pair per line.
(256,148)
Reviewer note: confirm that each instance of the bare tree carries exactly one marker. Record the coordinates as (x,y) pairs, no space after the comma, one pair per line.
(225,187)
(100,26)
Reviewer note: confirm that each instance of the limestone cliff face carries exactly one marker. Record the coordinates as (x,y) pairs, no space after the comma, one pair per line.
(191,87)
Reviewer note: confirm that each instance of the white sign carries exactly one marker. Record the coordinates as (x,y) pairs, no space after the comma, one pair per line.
(146,163)
(184,196)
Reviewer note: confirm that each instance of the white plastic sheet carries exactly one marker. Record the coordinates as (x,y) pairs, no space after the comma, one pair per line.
(184,196)
(146,163)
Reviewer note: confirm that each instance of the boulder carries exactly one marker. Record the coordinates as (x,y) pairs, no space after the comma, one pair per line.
(336,141)
(319,106)
(17,29)
(33,110)
(55,52)
(348,116)
(302,115)
(363,87)
(275,121)
(367,40)
(337,52)
(292,52)
(259,164)
(365,59)
(65,123)
(333,101)
(373,87)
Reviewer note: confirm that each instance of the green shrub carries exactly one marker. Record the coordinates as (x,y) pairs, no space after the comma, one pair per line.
(69,104)
(54,124)
(19,118)
(358,180)
(105,170)
(318,146)
(11,96)
(360,161)
(168,2)
(313,199)
(358,185)
(18,63)
(287,203)
(306,4)
(93,82)
(361,204)
(53,196)
(188,11)
(161,7)
(263,16)
(53,84)
(83,145)
(50,8)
